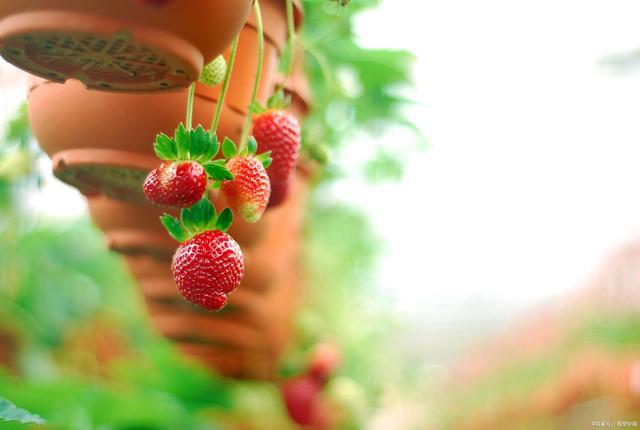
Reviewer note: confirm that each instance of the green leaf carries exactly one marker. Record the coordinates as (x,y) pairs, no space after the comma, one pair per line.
(267,162)
(256,108)
(224,220)
(279,100)
(218,172)
(229,149)
(264,156)
(174,227)
(11,413)
(197,217)
(252,145)
(198,143)
(212,147)
(165,147)
(183,141)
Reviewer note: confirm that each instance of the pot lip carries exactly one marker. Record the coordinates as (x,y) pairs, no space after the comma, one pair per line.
(178,53)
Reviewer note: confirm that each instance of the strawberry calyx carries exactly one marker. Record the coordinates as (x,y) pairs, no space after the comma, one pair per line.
(278,101)
(197,219)
(230,150)
(197,145)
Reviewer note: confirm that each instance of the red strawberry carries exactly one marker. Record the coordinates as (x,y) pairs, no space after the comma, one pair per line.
(301,395)
(279,132)
(248,193)
(176,184)
(325,359)
(207,267)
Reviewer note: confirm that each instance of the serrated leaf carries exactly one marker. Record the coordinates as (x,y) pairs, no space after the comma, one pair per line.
(224,220)
(252,145)
(217,172)
(229,149)
(198,142)
(182,138)
(10,413)
(174,227)
(267,162)
(197,217)
(165,147)
(212,147)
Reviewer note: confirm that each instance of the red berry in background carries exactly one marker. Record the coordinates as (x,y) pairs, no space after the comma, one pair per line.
(301,396)
(325,360)
(177,184)
(279,132)
(279,192)
(248,193)
(207,267)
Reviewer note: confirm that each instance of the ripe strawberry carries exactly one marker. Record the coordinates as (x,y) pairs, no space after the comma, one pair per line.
(207,267)
(176,184)
(248,193)
(279,132)
(301,396)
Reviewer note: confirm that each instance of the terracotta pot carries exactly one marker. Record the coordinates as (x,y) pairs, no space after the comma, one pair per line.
(119,45)
(103,142)
(247,338)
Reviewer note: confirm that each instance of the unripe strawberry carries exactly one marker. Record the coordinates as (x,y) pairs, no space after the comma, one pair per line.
(214,72)
(207,267)
(176,184)
(279,132)
(248,193)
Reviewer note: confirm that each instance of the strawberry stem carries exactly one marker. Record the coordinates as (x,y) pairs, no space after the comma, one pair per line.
(225,85)
(254,94)
(291,30)
(189,121)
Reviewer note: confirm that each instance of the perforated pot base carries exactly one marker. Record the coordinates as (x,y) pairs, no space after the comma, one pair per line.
(116,174)
(103,53)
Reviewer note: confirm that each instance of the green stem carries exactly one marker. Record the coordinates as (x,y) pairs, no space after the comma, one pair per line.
(256,83)
(189,121)
(225,85)
(291,30)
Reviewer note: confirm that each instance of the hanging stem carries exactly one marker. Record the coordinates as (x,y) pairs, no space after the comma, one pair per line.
(189,121)
(225,84)
(291,32)
(256,83)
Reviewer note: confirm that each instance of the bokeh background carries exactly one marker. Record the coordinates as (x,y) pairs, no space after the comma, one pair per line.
(472,248)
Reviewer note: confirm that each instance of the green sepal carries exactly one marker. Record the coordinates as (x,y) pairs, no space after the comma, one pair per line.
(203,145)
(217,172)
(182,138)
(215,185)
(165,147)
(196,218)
(174,228)
(267,162)
(224,220)
(279,100)
(252,145)
(229,149)
(256,109)
(262,157)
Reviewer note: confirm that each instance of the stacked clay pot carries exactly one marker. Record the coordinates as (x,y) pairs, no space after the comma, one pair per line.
(119,45)
(103,142)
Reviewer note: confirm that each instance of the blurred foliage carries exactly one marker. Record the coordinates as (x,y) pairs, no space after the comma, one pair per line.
(356,89)
(75,345)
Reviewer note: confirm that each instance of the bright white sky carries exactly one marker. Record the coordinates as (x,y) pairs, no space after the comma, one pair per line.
(533,173)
